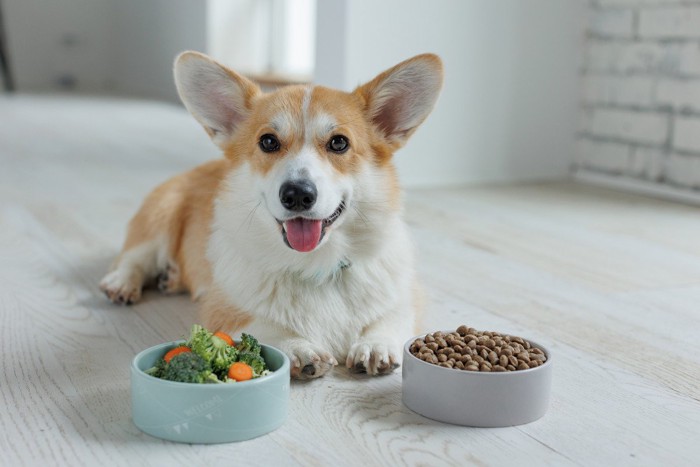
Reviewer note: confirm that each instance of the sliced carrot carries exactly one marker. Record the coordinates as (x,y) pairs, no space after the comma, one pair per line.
(177,350)
(225,337)
(240,371)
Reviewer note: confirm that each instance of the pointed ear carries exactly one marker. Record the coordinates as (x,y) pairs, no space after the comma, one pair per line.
(398,100)
(217,97)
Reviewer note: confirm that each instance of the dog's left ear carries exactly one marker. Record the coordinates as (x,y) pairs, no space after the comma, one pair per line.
(398,100)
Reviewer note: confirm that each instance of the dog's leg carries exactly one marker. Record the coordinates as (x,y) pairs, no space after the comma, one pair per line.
(217,314)
(378,349)
(169,280)
(134,267)
(308,360)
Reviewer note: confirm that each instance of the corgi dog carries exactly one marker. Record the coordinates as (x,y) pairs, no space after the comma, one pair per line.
(299,226)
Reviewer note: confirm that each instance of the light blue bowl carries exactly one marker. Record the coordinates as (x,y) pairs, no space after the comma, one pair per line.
(208,413)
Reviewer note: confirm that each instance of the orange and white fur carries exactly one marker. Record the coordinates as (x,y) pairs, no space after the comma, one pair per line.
(300,225)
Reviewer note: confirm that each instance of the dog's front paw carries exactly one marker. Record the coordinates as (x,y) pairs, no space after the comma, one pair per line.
(308,361)
(168,281)
(120,288)
(375,358)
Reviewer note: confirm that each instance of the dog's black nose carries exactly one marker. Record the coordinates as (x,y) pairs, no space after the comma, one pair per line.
(298,196)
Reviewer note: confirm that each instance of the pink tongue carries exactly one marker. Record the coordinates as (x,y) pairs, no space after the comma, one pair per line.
(303,234)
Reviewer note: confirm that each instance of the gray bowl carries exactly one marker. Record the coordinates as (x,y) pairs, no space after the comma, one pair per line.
(474,398)
(208,413)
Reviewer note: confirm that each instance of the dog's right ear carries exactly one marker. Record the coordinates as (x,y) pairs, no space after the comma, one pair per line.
(217,97)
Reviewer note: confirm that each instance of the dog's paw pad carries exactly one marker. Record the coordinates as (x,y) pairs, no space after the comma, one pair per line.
(121,289)
(309,361)
(373,358)
(168,281)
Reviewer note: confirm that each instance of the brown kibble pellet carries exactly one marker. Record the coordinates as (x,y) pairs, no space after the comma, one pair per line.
(524,356)
(472,350)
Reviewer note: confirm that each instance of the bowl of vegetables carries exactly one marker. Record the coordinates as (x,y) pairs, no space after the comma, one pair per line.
(209,388)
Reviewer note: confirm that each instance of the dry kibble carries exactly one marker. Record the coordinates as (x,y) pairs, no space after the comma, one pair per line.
(471,350)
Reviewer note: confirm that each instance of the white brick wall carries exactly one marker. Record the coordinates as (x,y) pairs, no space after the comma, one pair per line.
(686,134)
(612,23)
(640,92)
(621,90)
(635,127)
(670,22)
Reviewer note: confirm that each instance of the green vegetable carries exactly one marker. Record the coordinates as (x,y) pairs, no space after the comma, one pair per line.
(158,369)
(212,349)
(249,344)
(255,361)
(189,367)
(210,359)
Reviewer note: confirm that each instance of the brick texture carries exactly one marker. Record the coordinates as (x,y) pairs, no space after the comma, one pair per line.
(672,22)
(640,92)
(639,127)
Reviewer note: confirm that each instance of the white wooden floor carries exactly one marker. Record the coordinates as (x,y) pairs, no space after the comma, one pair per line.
(610,282)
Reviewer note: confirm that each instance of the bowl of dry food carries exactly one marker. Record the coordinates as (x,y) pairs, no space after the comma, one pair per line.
(476,378)
(209,388)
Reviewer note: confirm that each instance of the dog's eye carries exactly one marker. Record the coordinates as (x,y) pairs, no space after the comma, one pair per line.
(338,144)
(269,143)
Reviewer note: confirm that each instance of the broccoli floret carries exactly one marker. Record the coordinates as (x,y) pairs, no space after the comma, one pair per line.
(158,369)
(212,349)
(255,361)
(249,344)
(188,367)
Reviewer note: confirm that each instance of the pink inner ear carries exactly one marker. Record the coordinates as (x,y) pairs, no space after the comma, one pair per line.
(392,113)
(223,109)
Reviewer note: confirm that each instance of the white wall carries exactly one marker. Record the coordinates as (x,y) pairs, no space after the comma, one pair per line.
(640,112)
(149,34)
(509,104)
(101,46)
(59,44)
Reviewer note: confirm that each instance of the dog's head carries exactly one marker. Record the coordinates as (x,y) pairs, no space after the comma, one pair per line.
(314,152)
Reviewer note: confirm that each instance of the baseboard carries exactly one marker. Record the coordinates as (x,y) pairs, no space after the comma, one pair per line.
(621,183)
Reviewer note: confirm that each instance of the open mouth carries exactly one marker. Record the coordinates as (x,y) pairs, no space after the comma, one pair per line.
(303,234)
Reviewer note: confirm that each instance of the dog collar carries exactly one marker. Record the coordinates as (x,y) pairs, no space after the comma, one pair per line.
(344,264)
